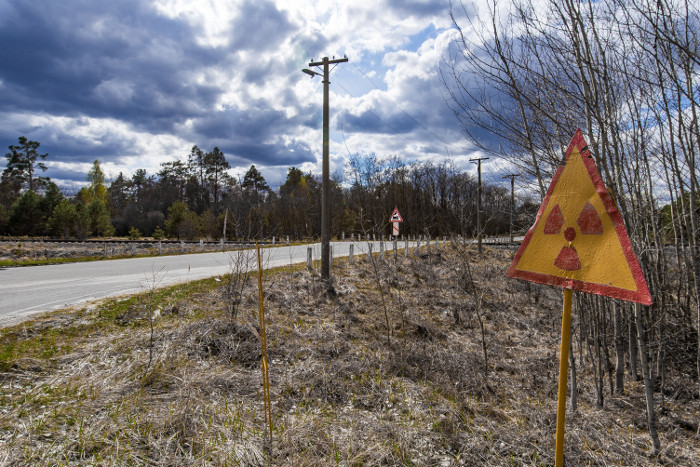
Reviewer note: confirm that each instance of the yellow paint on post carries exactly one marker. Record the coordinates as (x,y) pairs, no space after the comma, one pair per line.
(563,376)
(263,345)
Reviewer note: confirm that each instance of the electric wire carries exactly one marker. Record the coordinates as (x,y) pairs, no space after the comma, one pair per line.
(399,107)
(369,110)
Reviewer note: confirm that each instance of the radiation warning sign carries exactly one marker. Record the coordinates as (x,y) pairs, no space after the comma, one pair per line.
(579,241)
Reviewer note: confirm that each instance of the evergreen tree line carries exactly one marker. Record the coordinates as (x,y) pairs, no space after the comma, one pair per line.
(195,198)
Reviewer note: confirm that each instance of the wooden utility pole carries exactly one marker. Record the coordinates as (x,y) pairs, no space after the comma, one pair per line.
(512,201)
(478,201)
(225,222)
(325,196)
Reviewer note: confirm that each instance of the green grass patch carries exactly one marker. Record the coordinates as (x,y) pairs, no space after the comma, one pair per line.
(29,340)
(42,345)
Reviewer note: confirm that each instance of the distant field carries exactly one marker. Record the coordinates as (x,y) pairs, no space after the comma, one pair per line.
(23,252)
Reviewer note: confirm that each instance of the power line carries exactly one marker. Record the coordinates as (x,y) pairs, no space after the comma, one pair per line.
(401,108)
(371,111)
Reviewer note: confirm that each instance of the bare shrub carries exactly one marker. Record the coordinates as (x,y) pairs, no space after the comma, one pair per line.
(237,279)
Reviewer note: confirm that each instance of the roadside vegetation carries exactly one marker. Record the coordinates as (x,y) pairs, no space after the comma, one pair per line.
(401,365)
(13,254)
(29,253)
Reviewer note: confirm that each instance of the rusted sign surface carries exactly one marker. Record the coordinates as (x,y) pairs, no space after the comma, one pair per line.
(579,241)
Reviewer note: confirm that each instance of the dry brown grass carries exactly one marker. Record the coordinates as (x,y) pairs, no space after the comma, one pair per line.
(21,252)
(341,394)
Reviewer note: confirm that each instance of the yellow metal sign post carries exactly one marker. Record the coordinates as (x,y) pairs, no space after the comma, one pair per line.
(578,242)
(563,374)
(263,348)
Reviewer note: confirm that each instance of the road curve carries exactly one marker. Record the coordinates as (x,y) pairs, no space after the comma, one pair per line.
(26,291)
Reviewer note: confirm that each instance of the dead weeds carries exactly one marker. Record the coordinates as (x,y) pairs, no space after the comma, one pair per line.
(342,394)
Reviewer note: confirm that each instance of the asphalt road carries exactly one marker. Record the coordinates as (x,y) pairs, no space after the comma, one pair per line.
(27,291)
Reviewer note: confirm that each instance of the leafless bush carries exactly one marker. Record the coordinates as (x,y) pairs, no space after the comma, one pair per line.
(237,279)
(468,285)
(151,284)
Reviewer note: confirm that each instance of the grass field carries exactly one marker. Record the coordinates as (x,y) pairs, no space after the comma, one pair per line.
(430,360)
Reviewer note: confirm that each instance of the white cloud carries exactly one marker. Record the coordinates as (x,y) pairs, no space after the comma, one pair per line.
(211,17)
(228,73)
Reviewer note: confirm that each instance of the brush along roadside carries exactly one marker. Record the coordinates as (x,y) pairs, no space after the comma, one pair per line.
(77,387)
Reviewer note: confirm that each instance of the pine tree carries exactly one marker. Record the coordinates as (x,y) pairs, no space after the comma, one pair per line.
(22,163)
(254,181)
(25,216)
(99,219)
(62,222)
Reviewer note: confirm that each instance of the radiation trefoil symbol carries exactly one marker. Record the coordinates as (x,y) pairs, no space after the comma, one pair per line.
(589,223)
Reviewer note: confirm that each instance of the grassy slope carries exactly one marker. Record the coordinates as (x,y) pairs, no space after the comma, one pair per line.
(77,388)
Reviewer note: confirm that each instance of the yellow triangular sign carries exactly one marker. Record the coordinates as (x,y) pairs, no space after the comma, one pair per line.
(578,240)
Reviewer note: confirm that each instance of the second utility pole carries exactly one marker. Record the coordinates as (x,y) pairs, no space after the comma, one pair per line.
(478,202)
(512,201)
(325,196)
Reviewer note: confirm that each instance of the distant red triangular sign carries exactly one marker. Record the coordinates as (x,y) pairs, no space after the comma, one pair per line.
(578,240)
(395,216)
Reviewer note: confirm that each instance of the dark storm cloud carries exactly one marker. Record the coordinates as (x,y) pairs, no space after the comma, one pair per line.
(260,26)
(269,154)
(420,105)
(255,123)
(68,147)
(120,60)
(106,59)
(64,175)
(472,91)
(420,7)
(123,61)
(253,135)
(374,122)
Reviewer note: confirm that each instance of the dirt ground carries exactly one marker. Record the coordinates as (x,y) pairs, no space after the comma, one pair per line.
(428,360)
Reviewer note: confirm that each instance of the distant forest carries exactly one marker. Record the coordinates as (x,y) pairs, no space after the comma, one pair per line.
(193,199)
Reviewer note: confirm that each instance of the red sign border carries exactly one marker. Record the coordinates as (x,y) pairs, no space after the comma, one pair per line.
(396,211)
(641,295)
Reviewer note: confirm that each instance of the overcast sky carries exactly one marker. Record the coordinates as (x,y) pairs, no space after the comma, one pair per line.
(134,83)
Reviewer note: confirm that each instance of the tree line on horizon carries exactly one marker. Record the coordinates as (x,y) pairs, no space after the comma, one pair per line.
(194,199)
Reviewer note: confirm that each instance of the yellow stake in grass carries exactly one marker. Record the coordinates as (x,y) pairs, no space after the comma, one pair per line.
(263,344)
(563,374)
